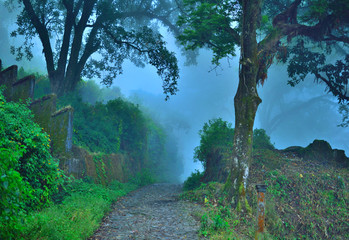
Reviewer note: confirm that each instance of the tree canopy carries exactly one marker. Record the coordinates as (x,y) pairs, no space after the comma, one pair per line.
(92,38)
(304,34)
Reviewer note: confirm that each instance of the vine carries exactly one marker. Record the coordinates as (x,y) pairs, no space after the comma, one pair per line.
(100,168)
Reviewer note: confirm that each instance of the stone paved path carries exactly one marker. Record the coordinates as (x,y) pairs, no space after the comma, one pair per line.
(152,212)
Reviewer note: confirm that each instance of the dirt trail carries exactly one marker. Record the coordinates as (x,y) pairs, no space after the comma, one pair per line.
(152,212)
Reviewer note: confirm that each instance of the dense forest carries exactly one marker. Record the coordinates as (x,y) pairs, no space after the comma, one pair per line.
(72,142)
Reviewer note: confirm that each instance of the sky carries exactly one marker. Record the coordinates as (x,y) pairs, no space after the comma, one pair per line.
(292,116)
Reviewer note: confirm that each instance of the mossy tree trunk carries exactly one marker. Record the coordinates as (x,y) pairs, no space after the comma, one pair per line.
(246,102)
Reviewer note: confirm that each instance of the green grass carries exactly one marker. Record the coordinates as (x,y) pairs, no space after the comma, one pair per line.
(79,214)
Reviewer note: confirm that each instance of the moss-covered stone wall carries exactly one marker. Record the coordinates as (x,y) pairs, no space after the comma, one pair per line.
(8,77)
(24,88)
(61,128)
(102,168)
(74,160)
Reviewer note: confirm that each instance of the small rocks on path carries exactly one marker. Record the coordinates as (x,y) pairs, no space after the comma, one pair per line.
(152,212)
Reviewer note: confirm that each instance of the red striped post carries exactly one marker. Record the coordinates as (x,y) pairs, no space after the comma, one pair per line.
(261,189)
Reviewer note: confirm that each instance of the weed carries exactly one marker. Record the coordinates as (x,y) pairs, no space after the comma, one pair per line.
(78,216)
(304,200)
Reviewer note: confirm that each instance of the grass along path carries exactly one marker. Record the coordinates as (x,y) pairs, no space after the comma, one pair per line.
(78,215)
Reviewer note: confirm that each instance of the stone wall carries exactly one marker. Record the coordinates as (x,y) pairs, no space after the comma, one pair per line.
(59,125)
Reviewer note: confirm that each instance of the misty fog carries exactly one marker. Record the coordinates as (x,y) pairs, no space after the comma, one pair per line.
(290,115)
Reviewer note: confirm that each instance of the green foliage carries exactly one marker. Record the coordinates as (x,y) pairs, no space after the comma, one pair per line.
(193,181)
(303,61)
(29,175)
(79,215)
(209,24)
(216,137)
(91,92)
(308,196)
(261,140)
(304,200)
(119,126)
(266,158)
(13,191)
(218,219)
(143,178)
(320,9)
(115,126)
(113,32)
(100,168)
(216,134)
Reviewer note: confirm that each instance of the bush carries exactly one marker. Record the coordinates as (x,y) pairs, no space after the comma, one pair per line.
(261,140)
(194,181)
(29,175)
(217,137)
(216,145)
(13,191)
(143,178)
(109,128)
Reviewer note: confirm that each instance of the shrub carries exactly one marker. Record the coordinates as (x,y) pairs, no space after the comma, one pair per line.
(194,181)
(216,136)
(13,190)
(143,178)
(261,140)
(216,144)
(109,128)
(29,175)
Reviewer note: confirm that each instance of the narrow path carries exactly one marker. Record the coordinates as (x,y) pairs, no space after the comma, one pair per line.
(152,212)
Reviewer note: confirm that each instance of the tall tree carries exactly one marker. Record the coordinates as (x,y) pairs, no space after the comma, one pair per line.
(289,30)
(92,38)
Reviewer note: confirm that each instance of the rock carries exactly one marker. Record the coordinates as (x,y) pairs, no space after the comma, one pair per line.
(320,151)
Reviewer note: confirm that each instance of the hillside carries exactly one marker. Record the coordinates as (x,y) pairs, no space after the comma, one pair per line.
(307,197)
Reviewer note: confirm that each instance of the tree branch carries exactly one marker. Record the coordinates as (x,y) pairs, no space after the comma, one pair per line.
(43,35)
(68,27)
(162,19)
(333,89)
(78,35)
(117,41)
(331,37)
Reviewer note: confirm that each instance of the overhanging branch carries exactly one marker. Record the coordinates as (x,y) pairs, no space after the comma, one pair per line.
(127,43)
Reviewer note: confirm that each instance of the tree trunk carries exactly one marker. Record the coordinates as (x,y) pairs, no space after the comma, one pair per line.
(61,84)
(55,78)
(246,102)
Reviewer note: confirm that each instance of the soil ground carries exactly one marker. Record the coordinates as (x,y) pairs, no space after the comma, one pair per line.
(152,212)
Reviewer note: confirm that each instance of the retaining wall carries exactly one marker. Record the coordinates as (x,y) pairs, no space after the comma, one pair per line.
(59,125)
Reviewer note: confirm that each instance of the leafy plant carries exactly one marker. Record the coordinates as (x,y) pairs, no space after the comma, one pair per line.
(193,181)
(261,140)
(29,174)
(79,215)
(216,144)
(13,192)
(143,178)
(115,126)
